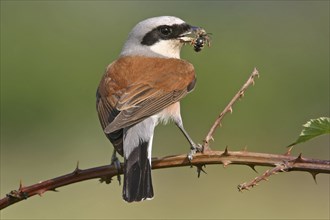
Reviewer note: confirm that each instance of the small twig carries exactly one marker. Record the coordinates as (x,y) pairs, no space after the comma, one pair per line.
(228,108)
(283,167)
(212,157)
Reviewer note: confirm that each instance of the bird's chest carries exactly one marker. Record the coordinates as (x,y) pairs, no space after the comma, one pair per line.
(170,113)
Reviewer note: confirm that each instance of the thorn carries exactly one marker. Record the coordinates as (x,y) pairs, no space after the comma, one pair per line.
(53,190)
(241,94)
(226,163)
(77,170)
(253,167)
(245,148)
(231,110)
(40,192)
(282,170)
(256,72)
(200,169)
(20,186)
(314,176)
(225,153)
(288,153)
(252,80)
(298,159)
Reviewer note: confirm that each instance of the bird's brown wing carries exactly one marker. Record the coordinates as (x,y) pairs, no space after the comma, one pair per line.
(138,108)
(107,114)
(152,84)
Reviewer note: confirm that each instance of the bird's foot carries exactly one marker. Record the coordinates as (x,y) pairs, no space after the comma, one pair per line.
(115,161)
(195,148)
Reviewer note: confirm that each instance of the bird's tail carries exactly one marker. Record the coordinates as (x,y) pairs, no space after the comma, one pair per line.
(137,175)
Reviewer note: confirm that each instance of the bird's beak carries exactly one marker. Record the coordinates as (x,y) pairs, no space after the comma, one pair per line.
(191,34)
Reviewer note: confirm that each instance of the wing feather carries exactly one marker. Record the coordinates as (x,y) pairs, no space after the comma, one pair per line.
(148,107)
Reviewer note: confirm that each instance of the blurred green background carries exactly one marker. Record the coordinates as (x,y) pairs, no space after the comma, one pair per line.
(53,54)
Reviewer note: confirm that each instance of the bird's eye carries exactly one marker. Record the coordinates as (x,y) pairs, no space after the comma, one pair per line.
(165,30)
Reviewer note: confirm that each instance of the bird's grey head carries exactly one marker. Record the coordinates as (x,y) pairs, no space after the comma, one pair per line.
(157,37)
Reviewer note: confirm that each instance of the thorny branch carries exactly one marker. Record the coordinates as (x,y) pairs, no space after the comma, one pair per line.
(228,108)
(280,163)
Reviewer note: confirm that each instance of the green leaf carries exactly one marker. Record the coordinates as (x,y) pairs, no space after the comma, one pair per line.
(312,129)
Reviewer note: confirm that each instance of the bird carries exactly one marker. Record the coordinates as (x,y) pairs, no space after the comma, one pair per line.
(142,88)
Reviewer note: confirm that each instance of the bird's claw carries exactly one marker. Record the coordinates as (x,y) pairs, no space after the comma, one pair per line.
(195,148)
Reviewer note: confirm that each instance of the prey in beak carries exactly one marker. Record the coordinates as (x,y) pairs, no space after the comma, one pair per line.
(196,37)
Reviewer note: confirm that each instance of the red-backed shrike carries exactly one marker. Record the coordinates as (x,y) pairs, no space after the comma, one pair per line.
(142,88)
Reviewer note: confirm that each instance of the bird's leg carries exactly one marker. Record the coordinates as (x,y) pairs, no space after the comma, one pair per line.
(115,161)
(194,148)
